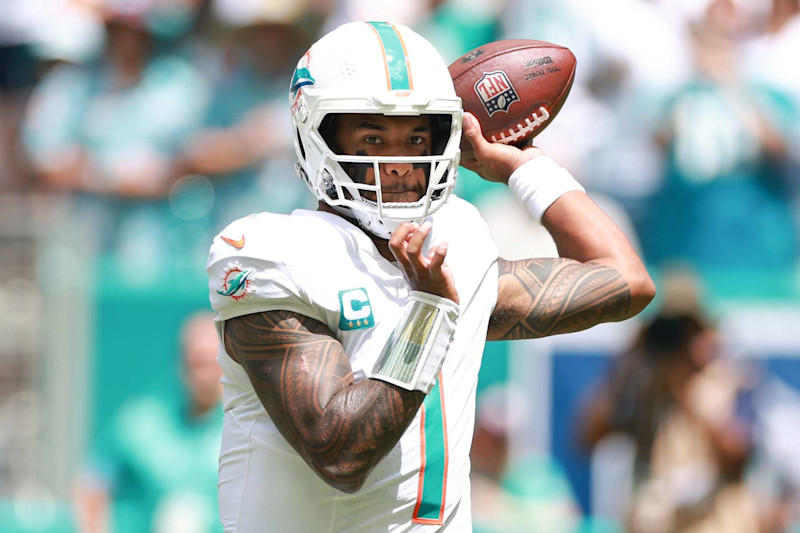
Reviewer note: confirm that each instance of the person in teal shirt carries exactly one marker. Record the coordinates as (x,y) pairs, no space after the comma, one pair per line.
(156,467)
(109,133)
(725,202)
(514,491)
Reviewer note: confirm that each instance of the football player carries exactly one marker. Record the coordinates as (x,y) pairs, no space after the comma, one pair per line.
(352,335)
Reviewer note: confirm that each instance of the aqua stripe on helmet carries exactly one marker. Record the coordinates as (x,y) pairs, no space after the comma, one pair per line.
(397,67)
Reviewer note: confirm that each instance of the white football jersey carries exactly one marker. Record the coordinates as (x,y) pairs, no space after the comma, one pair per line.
(320,265)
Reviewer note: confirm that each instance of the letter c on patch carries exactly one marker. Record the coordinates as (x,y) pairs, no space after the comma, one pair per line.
(355,304)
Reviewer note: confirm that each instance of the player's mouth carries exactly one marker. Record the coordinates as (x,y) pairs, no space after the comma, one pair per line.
(397,193)
(402,196)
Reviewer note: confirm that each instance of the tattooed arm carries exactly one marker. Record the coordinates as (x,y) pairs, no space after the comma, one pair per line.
(597,278)
(304,380)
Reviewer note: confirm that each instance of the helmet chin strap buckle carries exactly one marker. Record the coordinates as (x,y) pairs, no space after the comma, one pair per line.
(370,224)
(327,184)
(381,228)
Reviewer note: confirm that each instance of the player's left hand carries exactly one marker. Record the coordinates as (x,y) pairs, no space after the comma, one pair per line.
(492,161)
(424,273)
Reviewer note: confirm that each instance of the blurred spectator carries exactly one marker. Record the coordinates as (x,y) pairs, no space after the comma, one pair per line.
(775,475)
(775,46)
(110,129)
(724,201)
(688,409)
(604,133)
(410,12)
(457,26)
(156,470)
(453,26)
(127,115)
(243,144)
(513,493)
(18,20)
(768,57)
(68,32)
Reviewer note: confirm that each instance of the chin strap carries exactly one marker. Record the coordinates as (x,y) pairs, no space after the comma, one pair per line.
(382,229)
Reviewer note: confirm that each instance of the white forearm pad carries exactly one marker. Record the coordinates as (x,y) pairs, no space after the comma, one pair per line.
(540,182)
(415,351)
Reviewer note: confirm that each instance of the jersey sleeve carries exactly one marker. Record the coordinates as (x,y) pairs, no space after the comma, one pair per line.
(254,279)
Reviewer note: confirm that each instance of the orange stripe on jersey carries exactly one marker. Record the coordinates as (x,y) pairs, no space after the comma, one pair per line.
(421,484)
(446,444)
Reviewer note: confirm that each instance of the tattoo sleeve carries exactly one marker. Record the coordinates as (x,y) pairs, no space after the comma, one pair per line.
(541,297)
(305,382)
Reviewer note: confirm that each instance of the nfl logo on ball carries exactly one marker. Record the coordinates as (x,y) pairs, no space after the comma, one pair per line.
(496,92)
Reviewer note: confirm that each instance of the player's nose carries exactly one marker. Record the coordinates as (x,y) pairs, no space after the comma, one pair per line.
(398,169)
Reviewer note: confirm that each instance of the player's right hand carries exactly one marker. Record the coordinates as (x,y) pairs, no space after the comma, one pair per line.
(423,273)
(492,161)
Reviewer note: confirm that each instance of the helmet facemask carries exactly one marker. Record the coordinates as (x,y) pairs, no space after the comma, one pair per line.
(343,177)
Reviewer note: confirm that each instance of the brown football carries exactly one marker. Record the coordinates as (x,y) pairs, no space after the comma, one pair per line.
(515,88)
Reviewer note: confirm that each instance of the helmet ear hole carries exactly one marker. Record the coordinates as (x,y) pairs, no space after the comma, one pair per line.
(440,129)
(327,130)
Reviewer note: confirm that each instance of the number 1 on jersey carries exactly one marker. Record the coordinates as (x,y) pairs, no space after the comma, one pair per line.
(433,449)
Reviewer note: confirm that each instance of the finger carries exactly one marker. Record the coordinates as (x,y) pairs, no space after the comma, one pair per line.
(401,234)
(414,248)
(437,257)
(398,242)
(473,133)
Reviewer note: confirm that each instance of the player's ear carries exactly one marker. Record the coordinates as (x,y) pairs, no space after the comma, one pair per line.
(440,129)
(327,129)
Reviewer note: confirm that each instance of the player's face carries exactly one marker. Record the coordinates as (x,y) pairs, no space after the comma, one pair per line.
(378,135)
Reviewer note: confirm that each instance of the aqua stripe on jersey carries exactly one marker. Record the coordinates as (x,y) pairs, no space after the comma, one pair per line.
(431,505)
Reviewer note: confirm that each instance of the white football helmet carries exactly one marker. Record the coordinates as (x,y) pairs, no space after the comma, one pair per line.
(378,68)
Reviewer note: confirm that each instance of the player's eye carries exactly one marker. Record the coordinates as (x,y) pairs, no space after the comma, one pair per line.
(372,139)
(416,139)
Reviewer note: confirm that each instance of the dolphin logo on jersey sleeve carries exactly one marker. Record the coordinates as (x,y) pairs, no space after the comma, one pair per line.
(236,282)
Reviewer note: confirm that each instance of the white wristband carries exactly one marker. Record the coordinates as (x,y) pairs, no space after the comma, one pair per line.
(415,351)
(540,182)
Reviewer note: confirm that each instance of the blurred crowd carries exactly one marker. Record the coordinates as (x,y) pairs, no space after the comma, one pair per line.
(157,122)
(691,436)
(168,117)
